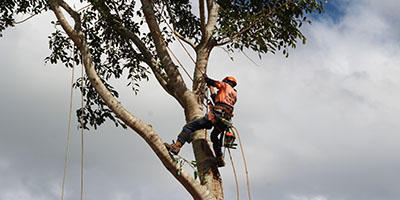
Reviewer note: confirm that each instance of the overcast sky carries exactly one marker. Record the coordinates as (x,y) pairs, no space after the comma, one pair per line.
(319,125)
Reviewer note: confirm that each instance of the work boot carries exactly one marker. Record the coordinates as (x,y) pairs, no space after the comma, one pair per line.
(220,161)
(174,147)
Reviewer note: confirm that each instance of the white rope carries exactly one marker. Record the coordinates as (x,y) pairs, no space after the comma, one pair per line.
(69,131)
(82,136)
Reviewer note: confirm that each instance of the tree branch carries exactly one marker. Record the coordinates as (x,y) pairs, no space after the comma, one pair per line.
(202,17)
(161,77)
(162,52)
(212,7)
(186,40)
(176,84)
(258,16)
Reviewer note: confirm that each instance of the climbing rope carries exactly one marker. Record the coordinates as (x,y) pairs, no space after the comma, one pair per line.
(69,131)
(234,172)
(244,160)
(179,40)
(173,31)
(82,131)
(172,53)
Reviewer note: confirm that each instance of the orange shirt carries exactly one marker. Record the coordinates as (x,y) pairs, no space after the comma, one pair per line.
(226,94)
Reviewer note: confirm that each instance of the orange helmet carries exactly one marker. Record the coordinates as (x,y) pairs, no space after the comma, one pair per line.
(231,80)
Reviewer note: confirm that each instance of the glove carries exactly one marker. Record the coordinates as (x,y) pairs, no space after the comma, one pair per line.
(209,81)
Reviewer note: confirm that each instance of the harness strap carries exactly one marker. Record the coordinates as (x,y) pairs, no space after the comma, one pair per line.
(225,113)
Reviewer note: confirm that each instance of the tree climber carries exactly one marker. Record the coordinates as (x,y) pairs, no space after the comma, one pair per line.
(224,100)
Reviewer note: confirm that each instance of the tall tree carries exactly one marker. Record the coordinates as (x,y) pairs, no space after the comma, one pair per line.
(130,38)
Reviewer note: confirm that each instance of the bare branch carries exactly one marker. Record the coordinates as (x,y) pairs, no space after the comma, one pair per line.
(28,18)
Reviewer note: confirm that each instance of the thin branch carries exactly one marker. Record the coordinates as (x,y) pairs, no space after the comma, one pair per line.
(248,57)
(186,40)
(258,20)
(202,16)
(83,8)
(28,18)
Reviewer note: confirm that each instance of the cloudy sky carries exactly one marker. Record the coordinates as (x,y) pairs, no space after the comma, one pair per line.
(319,125)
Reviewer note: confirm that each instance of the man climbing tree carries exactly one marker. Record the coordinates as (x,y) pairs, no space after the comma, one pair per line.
(224,101)
(130,38)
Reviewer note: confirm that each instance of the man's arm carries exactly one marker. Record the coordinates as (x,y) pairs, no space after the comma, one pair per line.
(209,81)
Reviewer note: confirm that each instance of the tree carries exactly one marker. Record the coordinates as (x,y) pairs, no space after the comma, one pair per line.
(129,38)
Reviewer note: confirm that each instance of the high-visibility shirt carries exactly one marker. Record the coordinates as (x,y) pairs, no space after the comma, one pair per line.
(226,94)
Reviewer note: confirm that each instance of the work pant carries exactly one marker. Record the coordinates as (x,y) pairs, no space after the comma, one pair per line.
(204,123)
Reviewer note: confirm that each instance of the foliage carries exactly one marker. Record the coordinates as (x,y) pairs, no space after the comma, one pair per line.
(112,54)
(259,25)
(9,8)
(271,24)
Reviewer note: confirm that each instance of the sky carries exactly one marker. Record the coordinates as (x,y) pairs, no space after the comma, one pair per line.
(319,125)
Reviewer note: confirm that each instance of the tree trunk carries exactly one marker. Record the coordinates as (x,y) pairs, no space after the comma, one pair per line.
(201,144)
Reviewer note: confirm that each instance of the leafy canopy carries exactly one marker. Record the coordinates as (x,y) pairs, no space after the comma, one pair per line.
(259,25)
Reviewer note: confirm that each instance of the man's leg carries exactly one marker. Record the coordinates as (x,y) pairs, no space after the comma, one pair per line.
(217,146)
(186,134)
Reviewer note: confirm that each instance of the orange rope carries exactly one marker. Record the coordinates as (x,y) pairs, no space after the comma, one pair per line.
(166,45)
(234,172)
(245,164)
(172,30)
(176,37)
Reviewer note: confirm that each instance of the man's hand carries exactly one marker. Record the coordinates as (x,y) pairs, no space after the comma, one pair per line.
(212,91)
(209,81)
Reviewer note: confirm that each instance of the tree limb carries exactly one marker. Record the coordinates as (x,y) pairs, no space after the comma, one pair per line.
(162,52)
(176,84)
(161,77)
(202,17)
(212,7)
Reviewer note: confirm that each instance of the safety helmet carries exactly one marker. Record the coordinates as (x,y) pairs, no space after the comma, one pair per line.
(230,80)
